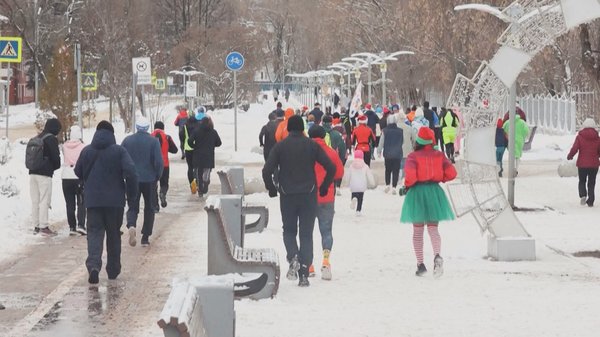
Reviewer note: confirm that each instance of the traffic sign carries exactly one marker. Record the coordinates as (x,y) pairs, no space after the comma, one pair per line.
(11,49)
(234,61)
(160,84)
(141,67)
(170,80)
(89,81)
(190,88)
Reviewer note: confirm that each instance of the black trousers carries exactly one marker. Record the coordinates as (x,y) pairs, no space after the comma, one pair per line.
(147,190)
(73,194)
(587,175)
(367,158)
(190,165)
(164,186)
(392,170)
(359,197)
(202,176)
(101,221)
(449,150)
(298,213)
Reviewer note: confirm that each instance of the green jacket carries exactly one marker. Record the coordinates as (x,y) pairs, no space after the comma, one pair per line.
(336,141)
(521,133)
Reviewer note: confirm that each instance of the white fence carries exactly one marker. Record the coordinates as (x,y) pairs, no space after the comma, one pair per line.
(554,114)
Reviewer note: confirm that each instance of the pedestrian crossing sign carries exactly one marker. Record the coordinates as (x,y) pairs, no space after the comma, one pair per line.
(89,82)
(160,84)
(11,49)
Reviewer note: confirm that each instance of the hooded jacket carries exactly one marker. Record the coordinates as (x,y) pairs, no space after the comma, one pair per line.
(110,172)
(71,151)
(391,142)
(204,140)
(428,165)
(320,172)
(359,176)
(521,132)
(587,143)
(282,131)
(145,152)
(51,150)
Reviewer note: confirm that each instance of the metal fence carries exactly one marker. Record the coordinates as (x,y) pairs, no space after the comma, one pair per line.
(554,114)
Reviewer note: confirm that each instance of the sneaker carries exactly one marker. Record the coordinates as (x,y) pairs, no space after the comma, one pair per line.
(358,214)
(163,200)
(311,271)
(438,266)
(47,232)
(387,189)
(326,272)
(292,273)
(394,191)
(156,209)
(194,186)
(132,241)
(36,230)
(303,281)
(81,230)
(145,242)
(583,200)
(338,192)
(72,232)
(93,279)
(421,269)
(353,203)
(500,173)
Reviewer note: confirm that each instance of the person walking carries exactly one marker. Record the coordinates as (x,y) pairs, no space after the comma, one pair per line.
(282,130)
(364,138)
(295,157)
(337,143)
(359,178)
(264,136)
(408,140)
(501,143)
(390,145)
(71,185)
(449,126)
(204,140)
(325,204)
(426,203)
(521,133)
(103,167)
(318,113)
(180,121)
(40,177)
(145,152)
(587,144)
(166,146)
(190,126)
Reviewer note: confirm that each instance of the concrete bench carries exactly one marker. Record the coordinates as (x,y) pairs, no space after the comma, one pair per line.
(225,255)
(527,145)
(200,307)
(232,180)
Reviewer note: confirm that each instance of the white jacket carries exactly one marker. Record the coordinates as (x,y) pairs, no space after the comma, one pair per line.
(359,176)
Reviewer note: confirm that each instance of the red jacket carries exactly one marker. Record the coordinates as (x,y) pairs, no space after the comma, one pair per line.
(183,115)
(587,143)
(166,145)
(363,135)
(320,172)
(428,165)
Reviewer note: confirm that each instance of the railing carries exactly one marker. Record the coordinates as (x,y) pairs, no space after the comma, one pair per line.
(554,114)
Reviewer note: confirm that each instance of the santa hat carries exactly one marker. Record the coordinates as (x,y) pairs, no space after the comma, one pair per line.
(368,106)
(386,110)
(362,119)
(425,136)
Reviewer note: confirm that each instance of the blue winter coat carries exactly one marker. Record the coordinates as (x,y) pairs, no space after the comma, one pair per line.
(393,138)
(145,152)
(110,172)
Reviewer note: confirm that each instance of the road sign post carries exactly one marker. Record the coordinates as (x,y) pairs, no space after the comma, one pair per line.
(142,71)
(234,62)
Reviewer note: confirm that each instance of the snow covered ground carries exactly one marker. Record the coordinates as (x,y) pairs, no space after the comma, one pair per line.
(374,291)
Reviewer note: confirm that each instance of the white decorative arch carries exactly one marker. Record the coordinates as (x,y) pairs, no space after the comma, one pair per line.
(535,25)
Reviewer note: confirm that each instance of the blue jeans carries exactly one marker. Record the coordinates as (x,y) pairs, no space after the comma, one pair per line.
(499,154)
(325,214)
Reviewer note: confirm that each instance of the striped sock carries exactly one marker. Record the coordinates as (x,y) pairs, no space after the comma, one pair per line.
(418,230)
(436,240)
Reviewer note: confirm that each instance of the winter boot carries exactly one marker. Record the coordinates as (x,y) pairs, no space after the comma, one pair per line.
(93,279)
(163,199)
(421,269)
(292,273)
(438,266)
(303,277)
(194,186)
(132,240)
(583,200)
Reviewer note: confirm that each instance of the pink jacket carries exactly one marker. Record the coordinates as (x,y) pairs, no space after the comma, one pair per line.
(71,150)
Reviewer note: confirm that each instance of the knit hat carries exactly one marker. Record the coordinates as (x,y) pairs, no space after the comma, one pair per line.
(362,119)
(159,125)
(199,116)
(386,110)
(142,124)
(105,125)
(358,154)
(368,106)
(75,132)
(327,119)
(295,123)
(316,131)
(588,123)
(425,136)
(419,112)
(391,119)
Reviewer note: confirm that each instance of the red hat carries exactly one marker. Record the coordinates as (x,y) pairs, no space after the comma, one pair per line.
(304,108)
(362,119)
(368,106)
(425,136)
(385,109)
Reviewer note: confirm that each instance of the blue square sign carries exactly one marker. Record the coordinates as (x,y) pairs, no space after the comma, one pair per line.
(10,49)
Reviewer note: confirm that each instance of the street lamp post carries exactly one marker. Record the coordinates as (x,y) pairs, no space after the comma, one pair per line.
(363,64)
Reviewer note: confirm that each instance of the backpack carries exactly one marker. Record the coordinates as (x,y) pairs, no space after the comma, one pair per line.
(34,153)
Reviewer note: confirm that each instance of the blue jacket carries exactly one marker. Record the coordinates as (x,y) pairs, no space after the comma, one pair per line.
(393,138)
(372,120)
(501,140)
(110,172)
(145,152)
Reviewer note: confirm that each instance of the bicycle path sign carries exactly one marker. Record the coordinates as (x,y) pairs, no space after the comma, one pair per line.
(234,61)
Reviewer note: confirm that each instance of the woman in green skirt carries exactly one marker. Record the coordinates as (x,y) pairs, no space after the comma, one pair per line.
(425,202)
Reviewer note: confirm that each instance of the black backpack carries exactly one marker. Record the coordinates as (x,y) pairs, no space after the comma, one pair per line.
(34,153)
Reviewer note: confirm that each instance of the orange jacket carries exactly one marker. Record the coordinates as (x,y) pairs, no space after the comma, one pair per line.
(363,136)
(320,172)
(282,131)
(411,116)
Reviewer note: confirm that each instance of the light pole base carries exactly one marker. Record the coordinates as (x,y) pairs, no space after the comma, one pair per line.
(511,248)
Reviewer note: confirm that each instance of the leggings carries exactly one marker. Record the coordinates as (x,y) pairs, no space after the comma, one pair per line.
(434,235)
(359,197)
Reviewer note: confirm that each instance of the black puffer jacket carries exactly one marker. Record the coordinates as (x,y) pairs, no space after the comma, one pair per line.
(203,141)
(51,150)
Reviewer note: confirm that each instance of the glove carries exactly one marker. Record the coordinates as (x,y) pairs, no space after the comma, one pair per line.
(323,190)
(402,191)
(272,193)
(569,157)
